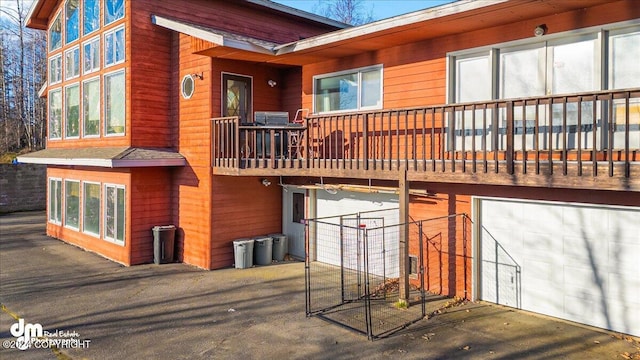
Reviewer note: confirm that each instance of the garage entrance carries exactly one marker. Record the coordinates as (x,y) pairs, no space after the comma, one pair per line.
(572,261)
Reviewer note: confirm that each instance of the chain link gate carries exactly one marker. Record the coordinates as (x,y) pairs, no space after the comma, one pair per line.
(352,269)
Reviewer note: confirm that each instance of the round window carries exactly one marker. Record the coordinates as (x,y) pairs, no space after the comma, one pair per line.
(188,86)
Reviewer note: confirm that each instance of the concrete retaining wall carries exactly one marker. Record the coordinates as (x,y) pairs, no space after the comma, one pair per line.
(23,187)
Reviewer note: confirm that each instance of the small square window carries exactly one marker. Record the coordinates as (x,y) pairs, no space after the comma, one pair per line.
(413,265)
(72,63)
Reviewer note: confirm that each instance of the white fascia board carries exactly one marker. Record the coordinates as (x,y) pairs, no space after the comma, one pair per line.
(63,161)
(385,24)
(209,36)
(105,163)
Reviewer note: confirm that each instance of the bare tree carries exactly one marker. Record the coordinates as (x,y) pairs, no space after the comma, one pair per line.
(352,12)
(23,60)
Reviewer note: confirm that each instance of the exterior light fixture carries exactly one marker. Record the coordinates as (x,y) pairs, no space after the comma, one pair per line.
(265,182)
(540,30)
(272,83)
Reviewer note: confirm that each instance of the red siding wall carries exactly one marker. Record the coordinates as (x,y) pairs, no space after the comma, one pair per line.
(242,207)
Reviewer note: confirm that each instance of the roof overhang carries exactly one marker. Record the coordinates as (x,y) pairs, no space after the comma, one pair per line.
(108,157)
(448,19)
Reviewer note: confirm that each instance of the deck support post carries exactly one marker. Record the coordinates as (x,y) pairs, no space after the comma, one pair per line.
(403,248)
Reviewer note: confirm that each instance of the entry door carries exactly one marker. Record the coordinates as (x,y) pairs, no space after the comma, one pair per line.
(236,92)
(294,213)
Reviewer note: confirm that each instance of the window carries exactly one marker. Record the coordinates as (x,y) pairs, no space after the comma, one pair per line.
(298,208)
(623,57)
(72,13)
(72,63)
(91,16)
(91,56)
(55,34)
(188,86)
(55,114)
(354,90)
(72,110)
(114,103)
(413,266)
(91,107)
(114,213)
(55,69)
(72,204)
(55,201)
(91,208)
(113,10)
(114,47)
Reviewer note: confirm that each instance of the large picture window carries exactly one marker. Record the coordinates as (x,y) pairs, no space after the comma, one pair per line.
(91,208)
(72,63)
(114,213)
(91,20)
(55,69)
(72,111)
(114,103)
(91,55)
(114,47)
(113,11)
(55,201)
(359,89)
(72,204)
(55,114)
(72,17)
(91,107)
(55,34)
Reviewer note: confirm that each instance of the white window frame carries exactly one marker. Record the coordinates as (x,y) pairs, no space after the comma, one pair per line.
(105,44)
(64,111)
(58,59)
(66,225)
(64,27)
(59,201)
(104,101)
(84,230)
(58,17)
(82,102)
(359,72)
(49,97)
(104,214)
(124,13)
(85,53)
(68,75)
(83,6)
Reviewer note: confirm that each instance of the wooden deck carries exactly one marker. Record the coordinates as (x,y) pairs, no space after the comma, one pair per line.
(587,140)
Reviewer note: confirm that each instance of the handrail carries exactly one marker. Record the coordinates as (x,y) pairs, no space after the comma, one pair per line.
(551,134)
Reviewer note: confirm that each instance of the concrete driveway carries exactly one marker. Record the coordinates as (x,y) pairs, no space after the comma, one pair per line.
(174,311)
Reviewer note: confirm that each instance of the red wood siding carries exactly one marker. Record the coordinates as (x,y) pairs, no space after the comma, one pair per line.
(150,206)
(192,184)
(242,207)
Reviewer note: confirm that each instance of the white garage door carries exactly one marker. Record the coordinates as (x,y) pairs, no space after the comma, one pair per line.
(371,207)
(571,261)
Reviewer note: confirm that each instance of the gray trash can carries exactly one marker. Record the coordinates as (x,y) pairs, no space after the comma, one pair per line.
(262,248)
(163,239)
(243,253)
(279,246)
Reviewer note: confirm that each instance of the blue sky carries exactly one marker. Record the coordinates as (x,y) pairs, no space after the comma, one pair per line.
(381,9)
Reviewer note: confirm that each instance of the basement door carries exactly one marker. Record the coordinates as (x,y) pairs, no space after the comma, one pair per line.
(572,261)
(294,213)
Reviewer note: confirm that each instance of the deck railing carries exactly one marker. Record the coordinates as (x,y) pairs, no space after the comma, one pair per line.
(584,133)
